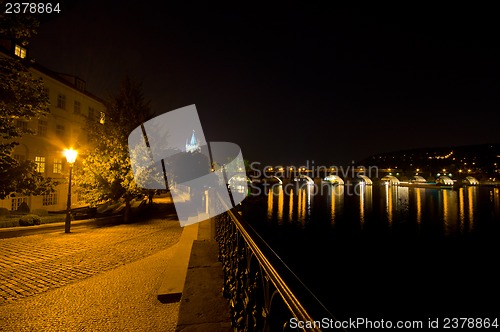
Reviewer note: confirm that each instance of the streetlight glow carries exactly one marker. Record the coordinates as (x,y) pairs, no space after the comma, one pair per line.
(70,155)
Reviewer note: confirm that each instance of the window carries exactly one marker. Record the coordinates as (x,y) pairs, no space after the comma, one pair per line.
(17,201)
(77,107)
(91,113)
(61,101)
(57,165)
(42,128)
(50,199)
(19,157)
(23,125)
(20,51)
(102,118)
(60,130)
(40,164)
(80,84)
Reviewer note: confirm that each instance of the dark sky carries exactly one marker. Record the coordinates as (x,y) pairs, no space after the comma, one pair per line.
(296,82)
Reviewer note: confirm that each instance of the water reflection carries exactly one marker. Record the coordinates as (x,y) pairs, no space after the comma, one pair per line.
(365,202)
(336,201)
(467,201)
(403,199)
(444,210)
(391,196)
(449,208)
(496,201)
(304,203)
(281,198)
(472,199)
(270,200)
(419,194)
(461,209)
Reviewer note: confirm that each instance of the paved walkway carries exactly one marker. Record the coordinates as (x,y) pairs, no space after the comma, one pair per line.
(94,279)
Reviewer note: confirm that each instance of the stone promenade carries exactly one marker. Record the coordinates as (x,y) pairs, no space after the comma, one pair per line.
(94,279)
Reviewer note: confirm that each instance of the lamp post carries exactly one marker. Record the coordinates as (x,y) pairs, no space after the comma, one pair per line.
(70,155)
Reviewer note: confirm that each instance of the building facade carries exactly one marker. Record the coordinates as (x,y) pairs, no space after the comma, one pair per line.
(71,105)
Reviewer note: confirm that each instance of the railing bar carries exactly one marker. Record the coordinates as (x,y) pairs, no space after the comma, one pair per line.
(257,244)
(271,269)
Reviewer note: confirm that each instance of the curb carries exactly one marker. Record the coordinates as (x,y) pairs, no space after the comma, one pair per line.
(195,279)
(175,274)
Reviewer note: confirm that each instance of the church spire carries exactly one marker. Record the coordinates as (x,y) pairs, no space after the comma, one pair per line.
(193,144)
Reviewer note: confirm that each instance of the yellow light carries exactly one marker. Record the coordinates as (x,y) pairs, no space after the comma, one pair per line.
(70,155)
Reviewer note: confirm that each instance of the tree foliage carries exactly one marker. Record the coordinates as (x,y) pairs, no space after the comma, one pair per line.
(22,98)
(104,171)
(18,27)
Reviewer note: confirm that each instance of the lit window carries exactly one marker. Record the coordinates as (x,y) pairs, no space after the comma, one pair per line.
(102,118)
(20,51)
(77,106)
(50,199)
(42,128)
(61,101)
(57,165)
(40,164)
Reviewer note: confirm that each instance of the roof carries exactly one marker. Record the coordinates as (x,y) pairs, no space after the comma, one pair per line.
(66,79)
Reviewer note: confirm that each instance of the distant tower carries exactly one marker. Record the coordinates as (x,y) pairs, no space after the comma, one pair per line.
(193,144)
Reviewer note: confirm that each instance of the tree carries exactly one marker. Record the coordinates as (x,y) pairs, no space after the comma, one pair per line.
(104,171)
(22,98)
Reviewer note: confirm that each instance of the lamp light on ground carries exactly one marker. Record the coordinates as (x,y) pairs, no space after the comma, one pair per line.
(70,155)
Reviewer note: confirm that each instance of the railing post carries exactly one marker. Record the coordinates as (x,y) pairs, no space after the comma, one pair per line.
(262,292)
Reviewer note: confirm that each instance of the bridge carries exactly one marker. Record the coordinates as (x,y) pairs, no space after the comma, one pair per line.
(358,176)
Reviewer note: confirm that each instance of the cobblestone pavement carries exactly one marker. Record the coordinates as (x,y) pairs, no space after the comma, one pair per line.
(34,264)
(93,279)
(121,299)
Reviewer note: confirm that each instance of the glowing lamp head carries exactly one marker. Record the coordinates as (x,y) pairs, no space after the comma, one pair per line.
(70,155)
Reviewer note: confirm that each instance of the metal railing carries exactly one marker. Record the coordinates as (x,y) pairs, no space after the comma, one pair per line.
(263,293)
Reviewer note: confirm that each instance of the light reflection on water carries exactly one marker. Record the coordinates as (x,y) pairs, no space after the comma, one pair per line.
(336,202)
(454,211)
(376,235)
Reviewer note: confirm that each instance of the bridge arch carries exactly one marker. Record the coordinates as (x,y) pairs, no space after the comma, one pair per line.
(366,180)
(304,177)
(390,179)
(443,179)
(272,179)
(470,180)
(239,183)
(277,178)
(333,179)
(418,179)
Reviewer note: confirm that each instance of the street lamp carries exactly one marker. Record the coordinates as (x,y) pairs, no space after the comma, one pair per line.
(70,155)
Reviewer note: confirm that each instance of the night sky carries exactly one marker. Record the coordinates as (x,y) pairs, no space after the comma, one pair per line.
(297,82)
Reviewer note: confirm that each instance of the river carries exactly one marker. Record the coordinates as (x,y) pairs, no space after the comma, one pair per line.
(387,252)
